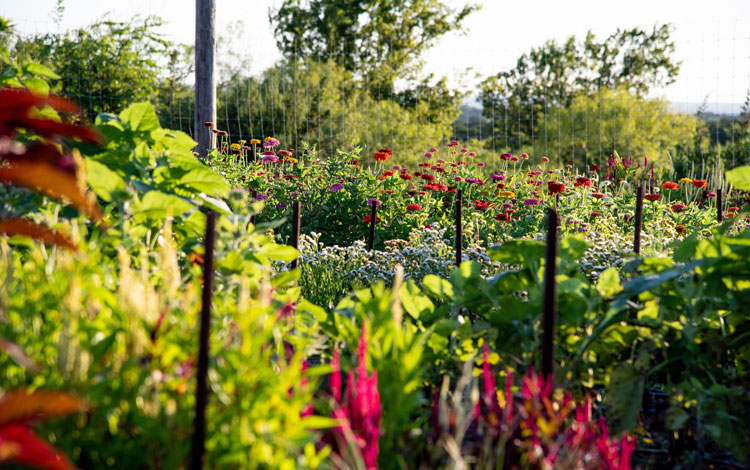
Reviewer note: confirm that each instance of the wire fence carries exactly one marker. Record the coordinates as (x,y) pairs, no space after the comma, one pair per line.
(313,101)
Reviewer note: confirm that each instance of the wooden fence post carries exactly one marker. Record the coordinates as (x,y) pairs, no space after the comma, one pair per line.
(201,390)
(549,296)
(373,218)
(296,224)
(205,78)
(638,220)
(459,244)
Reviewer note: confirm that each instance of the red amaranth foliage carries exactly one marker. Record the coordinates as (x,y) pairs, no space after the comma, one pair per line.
(534,429)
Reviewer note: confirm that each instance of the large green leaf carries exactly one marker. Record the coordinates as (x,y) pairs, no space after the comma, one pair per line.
(205,180)
(155,204)
(740,177)
(40,70)
(102,180)
(140,117)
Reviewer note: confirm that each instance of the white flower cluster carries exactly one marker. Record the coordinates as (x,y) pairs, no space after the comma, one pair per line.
(426,252)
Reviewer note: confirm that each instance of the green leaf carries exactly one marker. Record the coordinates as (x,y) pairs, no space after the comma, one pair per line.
(215,203)
(140,117)
(155,204)
(318,422)
(608,283)
(573,247)
(278,252)
(415,302)
(40,70)
(624,396)
(36,85)
(437,286)
(102,180)
(205,180)
(740,177)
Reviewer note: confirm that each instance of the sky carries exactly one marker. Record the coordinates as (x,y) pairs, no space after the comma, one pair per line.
(712,38)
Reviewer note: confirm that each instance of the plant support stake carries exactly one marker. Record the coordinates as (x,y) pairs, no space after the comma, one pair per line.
(205,77)
(201,390)
(295,229)
(719,214)
(638,220)
(459,255)
(550,295)
(373,217)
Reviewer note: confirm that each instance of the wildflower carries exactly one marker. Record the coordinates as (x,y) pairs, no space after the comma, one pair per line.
(500,186)
(396,167)
(711,195)
(433,150)
(413,207)
(501,217)
(280,206)
(595,214)
(685,180)
(555,188)
(514,159)
(678,207)
(385,150)
(405,176)
(507,193)
(368,219)
(733,209)
(285,153)
(531,202)
(353,162)
(524,156)
(208,124)
(505,156)
(457,179)
(594,168)
(545,160)
(680,229)
(652,197)
(497,177)
(582,181)
(374,200)
(428,155)
(388,173)
(254,141)
(670,185)
(336,187)
(270,158)
(428,177)
(464,151)
(480,164)
(235,146)
(270,142)
(699,183)
(261,197)
(473,154)
(381,157)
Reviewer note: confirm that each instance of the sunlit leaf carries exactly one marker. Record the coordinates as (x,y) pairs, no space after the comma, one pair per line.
(27,228)
(22,406)
(52,181)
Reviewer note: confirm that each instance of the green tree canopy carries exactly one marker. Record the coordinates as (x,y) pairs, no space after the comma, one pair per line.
(382,38)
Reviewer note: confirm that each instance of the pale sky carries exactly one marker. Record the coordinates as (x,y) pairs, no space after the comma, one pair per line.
(712,38)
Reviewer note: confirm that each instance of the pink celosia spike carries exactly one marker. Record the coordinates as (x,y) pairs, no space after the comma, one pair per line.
(335,380)
(509,397)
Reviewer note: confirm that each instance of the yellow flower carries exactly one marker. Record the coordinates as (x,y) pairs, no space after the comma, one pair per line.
(731,214)
(254,141)
(243,142)
(685,180)
(507,193)
(269,138)
(291,160)
(235,146)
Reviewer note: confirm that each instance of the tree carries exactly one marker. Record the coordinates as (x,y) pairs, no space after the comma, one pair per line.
(554,74)
(103,66)
(379,38)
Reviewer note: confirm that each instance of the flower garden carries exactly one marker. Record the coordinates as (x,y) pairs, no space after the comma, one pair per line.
(357,311)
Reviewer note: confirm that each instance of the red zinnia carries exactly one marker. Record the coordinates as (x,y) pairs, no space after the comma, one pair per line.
(413,207)
(388,151)
(555,187)
(405,176)
(502,217)
(597,195)
(680,229)
(678,207)
(652,197)
(381,157)
(368,219)
(670,185)
(699,183)
(582,181)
